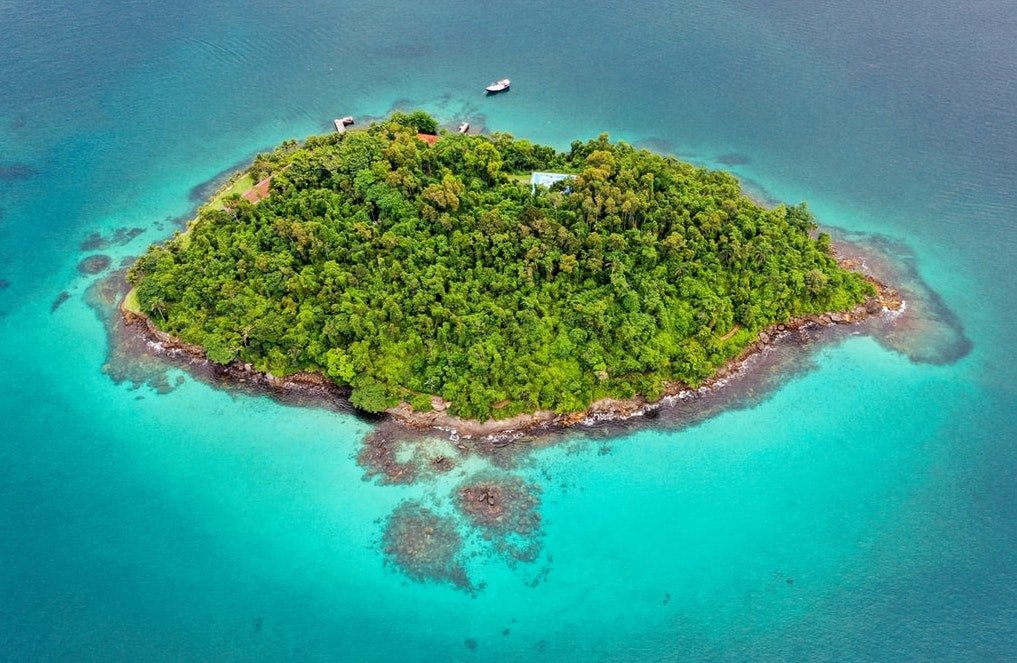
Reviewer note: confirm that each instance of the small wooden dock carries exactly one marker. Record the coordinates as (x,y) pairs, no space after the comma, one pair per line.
(342,123)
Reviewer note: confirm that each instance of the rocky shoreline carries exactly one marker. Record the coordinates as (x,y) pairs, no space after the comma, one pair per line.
(161,342)
(886,300)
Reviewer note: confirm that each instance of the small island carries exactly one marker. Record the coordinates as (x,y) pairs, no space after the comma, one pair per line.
(446,277)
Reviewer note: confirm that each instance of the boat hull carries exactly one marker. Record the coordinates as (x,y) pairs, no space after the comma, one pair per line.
(499,87)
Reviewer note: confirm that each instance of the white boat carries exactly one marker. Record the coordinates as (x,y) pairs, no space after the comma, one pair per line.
(464,127)
(500,86)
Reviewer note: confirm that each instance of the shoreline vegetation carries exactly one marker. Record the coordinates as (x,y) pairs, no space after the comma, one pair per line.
(888,300)
(645,278)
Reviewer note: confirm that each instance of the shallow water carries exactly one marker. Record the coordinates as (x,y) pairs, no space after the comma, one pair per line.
(865,507)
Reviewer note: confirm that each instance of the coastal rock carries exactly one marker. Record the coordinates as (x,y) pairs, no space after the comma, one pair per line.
(405,414)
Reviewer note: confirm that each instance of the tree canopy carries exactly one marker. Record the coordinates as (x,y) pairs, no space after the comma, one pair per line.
(406,270)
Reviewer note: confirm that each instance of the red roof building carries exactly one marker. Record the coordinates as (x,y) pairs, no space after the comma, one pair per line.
(258,191)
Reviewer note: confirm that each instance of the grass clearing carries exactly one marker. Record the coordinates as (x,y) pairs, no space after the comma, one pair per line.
(239,187)
(131,303)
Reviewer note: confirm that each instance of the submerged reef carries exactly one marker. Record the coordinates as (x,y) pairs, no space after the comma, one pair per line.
(425,545)
(95,264)
(119,237)
(505,509)
(59,300)
(14,172)
(492,515)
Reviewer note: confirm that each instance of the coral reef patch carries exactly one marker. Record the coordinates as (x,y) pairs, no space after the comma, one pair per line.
(425,546)
(95,264)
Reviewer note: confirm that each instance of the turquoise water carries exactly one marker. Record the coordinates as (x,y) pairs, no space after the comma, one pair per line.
(866,509)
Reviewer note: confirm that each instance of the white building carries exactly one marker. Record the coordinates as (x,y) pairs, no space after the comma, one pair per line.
(546,179)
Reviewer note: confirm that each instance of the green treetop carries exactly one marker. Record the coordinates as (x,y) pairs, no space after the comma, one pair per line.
(406,270)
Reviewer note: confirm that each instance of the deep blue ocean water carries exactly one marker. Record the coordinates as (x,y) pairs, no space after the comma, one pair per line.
(865,510)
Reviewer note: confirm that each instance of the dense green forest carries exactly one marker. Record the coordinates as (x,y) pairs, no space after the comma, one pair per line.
(404,270)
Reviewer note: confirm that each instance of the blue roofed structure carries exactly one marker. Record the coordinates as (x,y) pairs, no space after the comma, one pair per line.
(546,179)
